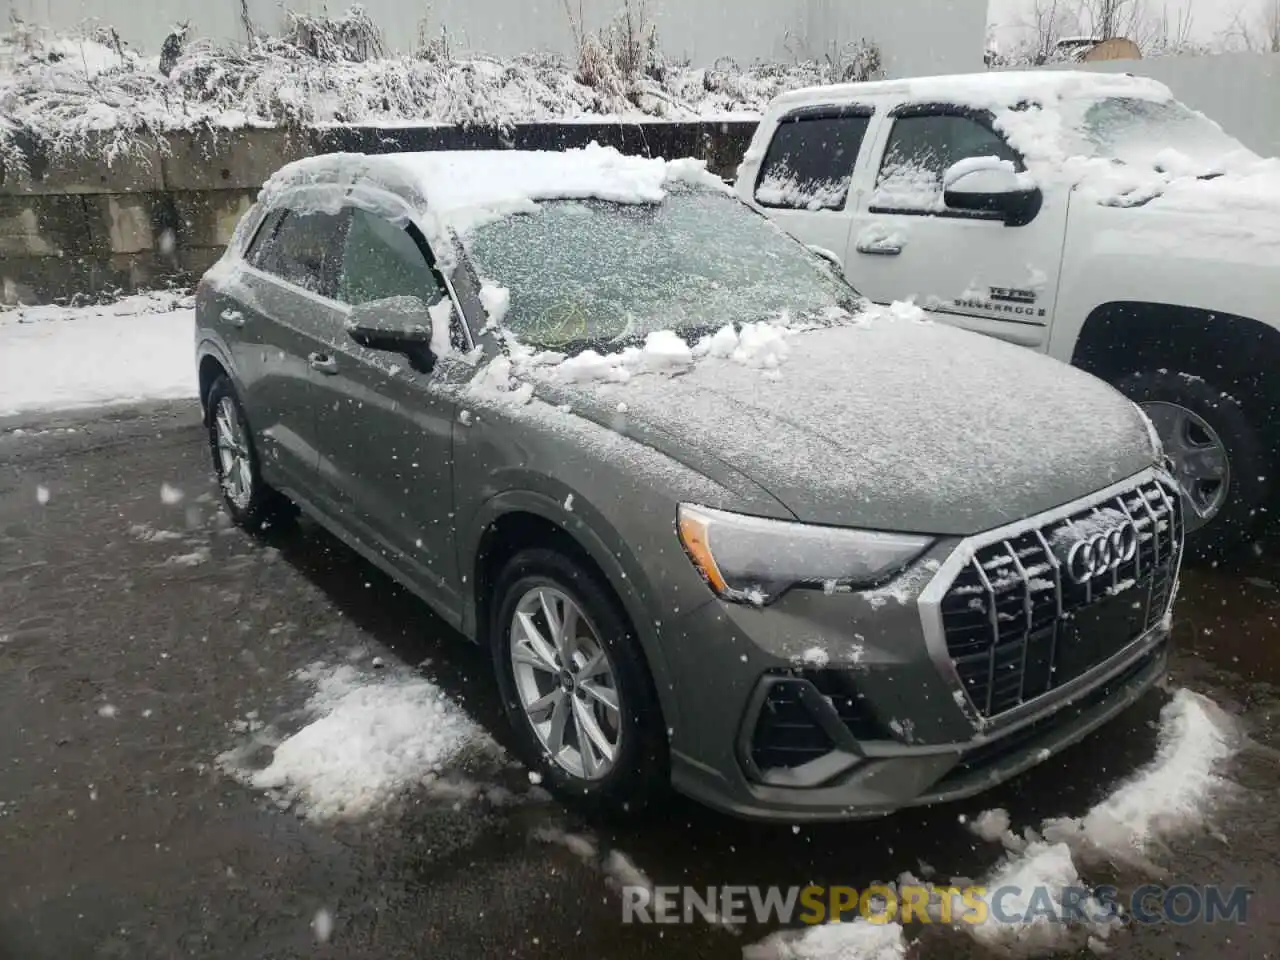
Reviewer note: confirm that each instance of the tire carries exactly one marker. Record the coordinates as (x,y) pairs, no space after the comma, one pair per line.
(263,506)
(638,774)
(1163,395)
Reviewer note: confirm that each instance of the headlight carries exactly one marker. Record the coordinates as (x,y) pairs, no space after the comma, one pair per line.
(756,560)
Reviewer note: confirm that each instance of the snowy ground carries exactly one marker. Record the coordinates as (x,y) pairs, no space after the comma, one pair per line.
(56,358)
(1174,794)
(181,763)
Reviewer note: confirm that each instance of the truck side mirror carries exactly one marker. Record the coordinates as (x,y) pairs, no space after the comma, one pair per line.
(992,185)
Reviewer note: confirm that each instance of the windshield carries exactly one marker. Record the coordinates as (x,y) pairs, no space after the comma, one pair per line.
(1136,131)
(587,273)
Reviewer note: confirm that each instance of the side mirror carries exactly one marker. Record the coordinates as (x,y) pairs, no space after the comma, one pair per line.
(392,323)
(991,185)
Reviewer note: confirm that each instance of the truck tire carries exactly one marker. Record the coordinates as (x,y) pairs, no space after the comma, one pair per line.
(1218,455)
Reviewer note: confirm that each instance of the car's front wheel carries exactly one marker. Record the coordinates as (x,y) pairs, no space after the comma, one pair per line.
(575,686)
(251,503)
(1218,457)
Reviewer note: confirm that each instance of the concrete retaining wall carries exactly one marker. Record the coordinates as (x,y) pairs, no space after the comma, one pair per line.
(164,214)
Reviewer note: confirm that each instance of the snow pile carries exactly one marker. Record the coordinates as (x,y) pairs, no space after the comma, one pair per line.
(371,737)
(663,352)
(496,301)
(857,940)
(1168,795)
(462,191)
(991,825)
(762,345)
(1171,794)
(138,348)
(1042,866)
(1129,156)
(64,90)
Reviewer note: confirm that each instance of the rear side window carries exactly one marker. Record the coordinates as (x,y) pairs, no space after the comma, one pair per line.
(267,227)
(303,248)
(919,151)
(382,260)
(809,164)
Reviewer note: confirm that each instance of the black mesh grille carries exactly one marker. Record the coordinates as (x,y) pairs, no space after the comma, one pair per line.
(786,734)
(991,753)
(1017,625)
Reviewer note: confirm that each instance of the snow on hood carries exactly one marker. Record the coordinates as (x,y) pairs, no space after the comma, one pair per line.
(888,422)
(461,190)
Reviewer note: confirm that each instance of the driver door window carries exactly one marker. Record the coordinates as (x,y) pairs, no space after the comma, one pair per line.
(382,260)
(919,151)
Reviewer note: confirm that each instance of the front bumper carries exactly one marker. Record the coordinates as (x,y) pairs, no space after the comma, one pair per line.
(846,707)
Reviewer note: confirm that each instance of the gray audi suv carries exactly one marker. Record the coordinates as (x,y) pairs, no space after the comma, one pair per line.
(722,524)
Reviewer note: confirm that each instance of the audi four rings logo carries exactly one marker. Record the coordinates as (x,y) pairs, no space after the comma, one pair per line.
(1103,552)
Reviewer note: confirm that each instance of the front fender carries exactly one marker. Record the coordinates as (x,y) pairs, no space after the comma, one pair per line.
(210,345)
(606,547)
(1132,255)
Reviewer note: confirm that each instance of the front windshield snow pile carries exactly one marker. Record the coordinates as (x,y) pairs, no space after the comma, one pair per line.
(593,273)
(1134,130)
(1125,141)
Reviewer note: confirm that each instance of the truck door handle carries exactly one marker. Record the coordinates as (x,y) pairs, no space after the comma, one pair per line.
(323,362)
(880,248)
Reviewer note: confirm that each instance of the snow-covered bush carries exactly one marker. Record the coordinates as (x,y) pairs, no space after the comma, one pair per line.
(92,94)
(352,37)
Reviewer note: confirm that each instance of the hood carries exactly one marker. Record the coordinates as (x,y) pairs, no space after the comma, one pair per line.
(1233,217)
(1175,182)
(894,424)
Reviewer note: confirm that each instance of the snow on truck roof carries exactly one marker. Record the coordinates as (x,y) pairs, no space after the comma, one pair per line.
(985,90)
(461,188)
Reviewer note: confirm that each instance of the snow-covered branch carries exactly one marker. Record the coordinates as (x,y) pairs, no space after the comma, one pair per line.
(61,92)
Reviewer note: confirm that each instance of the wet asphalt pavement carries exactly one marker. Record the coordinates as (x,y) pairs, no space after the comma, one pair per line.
(127,661)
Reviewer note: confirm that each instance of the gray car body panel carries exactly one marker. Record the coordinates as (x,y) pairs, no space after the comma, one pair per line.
(612,480)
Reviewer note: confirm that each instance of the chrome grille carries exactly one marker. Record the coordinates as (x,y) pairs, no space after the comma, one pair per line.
(1017,626)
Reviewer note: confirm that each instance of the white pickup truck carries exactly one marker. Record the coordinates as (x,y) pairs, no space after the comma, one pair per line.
(1089,216)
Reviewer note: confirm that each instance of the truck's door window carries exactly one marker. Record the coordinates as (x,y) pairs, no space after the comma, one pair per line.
(919,151)
(810,162)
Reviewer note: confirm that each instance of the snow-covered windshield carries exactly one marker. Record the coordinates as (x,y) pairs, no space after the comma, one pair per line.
(1136,130)
(590,272)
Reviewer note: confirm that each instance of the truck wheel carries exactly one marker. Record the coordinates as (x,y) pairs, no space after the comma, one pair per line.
(1218,457)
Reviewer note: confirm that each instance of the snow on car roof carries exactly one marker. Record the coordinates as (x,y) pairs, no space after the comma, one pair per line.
(462,188)
(997,89)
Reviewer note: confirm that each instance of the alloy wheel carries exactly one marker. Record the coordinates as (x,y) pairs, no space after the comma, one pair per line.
(1200,462)
(235,468)
(565,683)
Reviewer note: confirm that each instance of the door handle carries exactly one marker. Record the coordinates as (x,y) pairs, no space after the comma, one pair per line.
(880,248)
(323,362)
